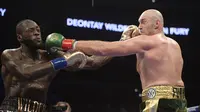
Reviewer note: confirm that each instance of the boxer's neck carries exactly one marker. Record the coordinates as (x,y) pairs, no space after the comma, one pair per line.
(29,52)
(158,32)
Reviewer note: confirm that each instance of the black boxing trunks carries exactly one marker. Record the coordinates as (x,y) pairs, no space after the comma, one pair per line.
(17,104)
(163,99)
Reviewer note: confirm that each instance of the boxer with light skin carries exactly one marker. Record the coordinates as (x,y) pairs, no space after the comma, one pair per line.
(159,63)
(27,71)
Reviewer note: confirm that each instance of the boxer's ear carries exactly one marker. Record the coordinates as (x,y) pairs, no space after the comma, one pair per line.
(157,24)
(19,37)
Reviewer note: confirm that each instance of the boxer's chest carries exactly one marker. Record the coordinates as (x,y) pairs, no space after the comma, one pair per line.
(30,62)
(44,80)
(27,61)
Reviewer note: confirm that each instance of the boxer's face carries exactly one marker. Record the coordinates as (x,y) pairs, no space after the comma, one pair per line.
(146,25)
(31,35)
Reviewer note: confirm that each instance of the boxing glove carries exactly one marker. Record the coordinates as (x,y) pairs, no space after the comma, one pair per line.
(69,60)
(129,32)
(58,41)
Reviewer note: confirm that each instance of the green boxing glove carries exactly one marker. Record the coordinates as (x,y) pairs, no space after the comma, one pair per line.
(58,41)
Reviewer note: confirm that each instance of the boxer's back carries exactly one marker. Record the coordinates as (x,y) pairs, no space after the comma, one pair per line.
(161,65)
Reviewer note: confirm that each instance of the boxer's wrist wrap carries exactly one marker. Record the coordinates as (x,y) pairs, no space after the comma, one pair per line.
(74,45)
(59,63)
(67,44)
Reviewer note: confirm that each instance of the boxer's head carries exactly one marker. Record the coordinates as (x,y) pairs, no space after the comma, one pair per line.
(28,33)
(151,22)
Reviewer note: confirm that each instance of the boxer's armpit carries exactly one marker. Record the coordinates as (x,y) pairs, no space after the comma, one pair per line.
(19,69)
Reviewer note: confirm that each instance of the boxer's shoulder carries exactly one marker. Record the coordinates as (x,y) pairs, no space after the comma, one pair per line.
(173,42)
(11,52)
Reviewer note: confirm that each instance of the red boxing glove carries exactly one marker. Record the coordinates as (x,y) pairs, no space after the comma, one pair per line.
(56,40)
(67,44)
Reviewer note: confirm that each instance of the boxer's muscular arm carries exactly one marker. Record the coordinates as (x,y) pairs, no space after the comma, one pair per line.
(19,69)
(94,62)
(134,45)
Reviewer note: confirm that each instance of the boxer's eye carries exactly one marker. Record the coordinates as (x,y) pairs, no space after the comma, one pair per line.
(30,30)
(38,30)
(143,21)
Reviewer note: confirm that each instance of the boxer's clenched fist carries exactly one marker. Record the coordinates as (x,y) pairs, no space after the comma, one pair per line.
(76,58)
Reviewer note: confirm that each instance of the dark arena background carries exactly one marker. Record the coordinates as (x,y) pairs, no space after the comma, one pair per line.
(116,86)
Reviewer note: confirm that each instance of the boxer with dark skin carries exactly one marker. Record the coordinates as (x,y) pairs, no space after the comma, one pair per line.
(27,71)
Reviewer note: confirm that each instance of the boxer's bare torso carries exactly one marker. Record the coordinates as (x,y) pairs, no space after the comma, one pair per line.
(162,64)
(27,71)
(20,81)
(19,85)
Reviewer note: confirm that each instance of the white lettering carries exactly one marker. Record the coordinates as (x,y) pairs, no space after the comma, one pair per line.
(122,27)
(108,26)
(2,11)
(80,23)
(91,24)
(69,22)
(184,31)
(179,31)
(84,23)
(75,22)
(98,25)
(115,27)
(166,30)
(119,27)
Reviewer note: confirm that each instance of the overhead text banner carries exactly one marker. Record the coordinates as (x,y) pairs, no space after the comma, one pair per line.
(90,24)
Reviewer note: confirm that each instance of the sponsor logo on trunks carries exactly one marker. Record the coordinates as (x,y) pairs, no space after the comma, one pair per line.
(151,93)
(97,25)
